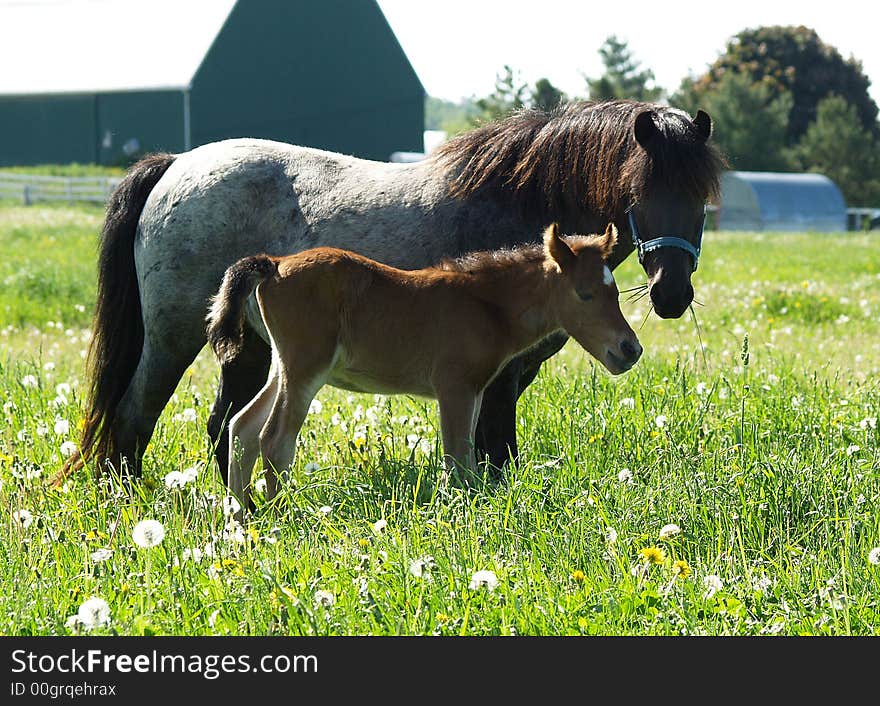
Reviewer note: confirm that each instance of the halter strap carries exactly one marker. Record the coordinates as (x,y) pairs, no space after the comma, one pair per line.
(666,241)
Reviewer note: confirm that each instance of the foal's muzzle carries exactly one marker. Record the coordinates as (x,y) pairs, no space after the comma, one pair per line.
(624,357)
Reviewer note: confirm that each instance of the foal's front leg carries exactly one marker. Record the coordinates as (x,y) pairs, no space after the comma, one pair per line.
(459,406)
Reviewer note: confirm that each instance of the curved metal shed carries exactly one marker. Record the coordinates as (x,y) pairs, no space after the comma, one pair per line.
(784,202)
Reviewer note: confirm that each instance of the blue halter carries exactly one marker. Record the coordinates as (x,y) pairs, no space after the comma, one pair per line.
(666,241)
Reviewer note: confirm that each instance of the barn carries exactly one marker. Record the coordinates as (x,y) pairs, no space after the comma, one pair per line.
(103,81)
(780,202)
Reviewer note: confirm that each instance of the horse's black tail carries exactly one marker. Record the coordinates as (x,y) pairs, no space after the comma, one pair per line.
(226,316)
(117,329)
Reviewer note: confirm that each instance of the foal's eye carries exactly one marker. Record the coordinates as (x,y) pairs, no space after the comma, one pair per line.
(584,296)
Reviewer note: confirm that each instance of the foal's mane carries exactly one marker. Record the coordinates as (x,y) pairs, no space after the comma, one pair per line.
(494,261)
(582,155)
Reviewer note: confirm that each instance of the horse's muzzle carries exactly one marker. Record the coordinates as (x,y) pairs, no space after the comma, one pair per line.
(671,305)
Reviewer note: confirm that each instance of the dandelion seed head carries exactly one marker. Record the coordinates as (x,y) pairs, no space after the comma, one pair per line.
(874,556)
(324,599)
(484,579)
(148,533)
(23,517)
(668,531)
(99,556)
(422,567)
(230,506)
(712,583)
(94,613)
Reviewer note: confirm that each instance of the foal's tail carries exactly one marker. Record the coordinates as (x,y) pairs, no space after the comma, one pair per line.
(117,329)
(226,317)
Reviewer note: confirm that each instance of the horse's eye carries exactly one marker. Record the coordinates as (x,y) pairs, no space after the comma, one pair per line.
(584,296)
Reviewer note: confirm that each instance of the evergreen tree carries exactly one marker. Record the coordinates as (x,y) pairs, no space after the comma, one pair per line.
(623,77)
(545,96)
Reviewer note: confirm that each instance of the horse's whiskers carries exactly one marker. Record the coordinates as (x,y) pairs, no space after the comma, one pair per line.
(699,336)
(637,288)
(637,297)
(650,309)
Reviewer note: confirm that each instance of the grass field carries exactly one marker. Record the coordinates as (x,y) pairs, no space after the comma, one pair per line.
(725,490)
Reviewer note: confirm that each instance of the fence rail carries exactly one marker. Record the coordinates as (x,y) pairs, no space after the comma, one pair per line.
(30,188)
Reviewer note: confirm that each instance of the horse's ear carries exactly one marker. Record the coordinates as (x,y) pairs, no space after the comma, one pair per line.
(559,255)
(609,241)
(703,123)
(645,128)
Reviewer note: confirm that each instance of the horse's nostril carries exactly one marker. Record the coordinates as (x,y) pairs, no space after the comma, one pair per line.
(628,350)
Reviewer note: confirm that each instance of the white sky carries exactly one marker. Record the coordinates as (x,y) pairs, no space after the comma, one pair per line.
(458,46)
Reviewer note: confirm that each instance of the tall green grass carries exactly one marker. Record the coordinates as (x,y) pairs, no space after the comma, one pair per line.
(760,447)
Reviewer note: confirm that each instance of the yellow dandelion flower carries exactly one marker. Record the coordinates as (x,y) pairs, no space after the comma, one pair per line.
(653,555)
(442,618)
(681,569)
(579,576)
(583,623)
(363,543)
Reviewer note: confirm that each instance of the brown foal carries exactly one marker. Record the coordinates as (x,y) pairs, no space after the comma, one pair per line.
(337,318)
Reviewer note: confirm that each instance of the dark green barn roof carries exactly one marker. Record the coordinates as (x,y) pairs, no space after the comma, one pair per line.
(327,74)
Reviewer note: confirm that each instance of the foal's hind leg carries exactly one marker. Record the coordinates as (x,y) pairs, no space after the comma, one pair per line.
(279,434)
(244,439)
(240,381)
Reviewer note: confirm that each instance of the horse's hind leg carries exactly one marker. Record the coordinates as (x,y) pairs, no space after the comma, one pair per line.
(157,375)
(240,381)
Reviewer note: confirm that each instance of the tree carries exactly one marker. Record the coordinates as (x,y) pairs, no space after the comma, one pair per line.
(545,96)
(837,145)
(749,121)
(509,95)
(622,77)
(449,116)
(792,59)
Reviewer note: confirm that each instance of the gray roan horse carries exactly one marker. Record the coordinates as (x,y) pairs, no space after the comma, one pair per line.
(176,222)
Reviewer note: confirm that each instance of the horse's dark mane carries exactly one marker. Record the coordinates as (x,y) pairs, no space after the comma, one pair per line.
(488,261)
(582,155)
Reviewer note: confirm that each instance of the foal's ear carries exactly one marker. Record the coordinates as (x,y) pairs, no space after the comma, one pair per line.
(558,254)
(645,129)
(609,241)
(703,123)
